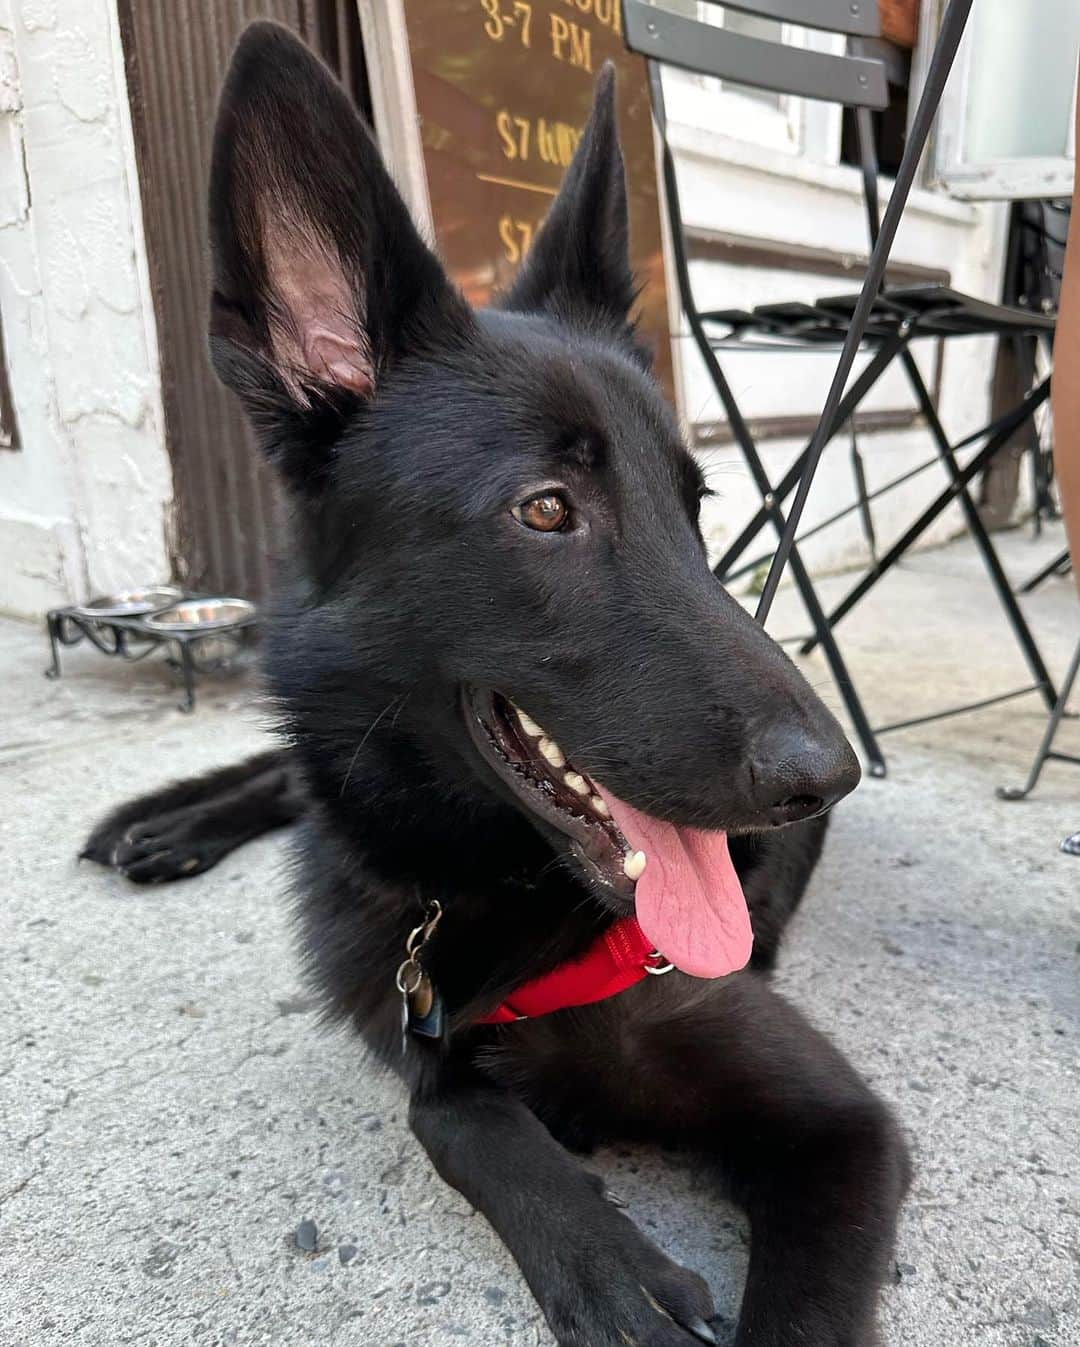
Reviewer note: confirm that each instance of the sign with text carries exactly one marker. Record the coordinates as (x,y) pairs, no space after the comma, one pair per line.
(503,91)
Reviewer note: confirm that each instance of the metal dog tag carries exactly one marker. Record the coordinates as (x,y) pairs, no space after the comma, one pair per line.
(421,1005)
(422,1011)
(426,1017)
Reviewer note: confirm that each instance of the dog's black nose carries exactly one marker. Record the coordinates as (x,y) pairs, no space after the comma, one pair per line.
(799,771)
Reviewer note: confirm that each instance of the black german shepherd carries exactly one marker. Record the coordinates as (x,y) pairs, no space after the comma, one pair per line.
(511,687)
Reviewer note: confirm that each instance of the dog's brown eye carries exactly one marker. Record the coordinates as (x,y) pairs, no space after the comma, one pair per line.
(547,513)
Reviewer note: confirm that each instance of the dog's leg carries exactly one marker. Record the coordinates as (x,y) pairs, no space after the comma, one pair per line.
(806,1148)
(732,1072)
(188,827)
(598,1280)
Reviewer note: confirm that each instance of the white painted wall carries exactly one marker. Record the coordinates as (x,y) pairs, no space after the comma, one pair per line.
(83,502)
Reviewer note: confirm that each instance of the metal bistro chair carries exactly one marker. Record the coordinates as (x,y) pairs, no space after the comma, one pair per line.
(884,322)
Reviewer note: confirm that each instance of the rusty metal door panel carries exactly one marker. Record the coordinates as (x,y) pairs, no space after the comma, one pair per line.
(175,56)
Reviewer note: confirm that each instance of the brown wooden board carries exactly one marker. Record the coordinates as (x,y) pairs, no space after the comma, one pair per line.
(503,90)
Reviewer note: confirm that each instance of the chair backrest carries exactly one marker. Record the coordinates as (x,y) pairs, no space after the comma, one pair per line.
(855,81)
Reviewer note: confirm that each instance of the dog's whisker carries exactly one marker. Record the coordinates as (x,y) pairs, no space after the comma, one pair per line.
(366,736)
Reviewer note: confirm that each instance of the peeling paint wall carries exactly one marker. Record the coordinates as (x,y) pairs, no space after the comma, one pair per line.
(84,502)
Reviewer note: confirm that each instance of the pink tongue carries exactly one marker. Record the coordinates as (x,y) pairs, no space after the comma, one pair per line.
(689,901)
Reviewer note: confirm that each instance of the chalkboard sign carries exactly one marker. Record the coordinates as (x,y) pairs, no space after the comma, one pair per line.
(503,90)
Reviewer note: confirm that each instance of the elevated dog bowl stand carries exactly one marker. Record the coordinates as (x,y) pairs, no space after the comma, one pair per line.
(134,637)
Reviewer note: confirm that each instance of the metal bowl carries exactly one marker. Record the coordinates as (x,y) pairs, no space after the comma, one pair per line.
(201,615)
(132,603)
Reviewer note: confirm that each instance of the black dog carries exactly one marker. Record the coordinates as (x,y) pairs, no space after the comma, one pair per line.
(494,511)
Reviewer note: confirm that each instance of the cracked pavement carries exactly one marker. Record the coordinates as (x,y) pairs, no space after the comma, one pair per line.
(171,1114)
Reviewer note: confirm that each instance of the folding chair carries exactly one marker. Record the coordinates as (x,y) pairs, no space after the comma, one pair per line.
(885,322)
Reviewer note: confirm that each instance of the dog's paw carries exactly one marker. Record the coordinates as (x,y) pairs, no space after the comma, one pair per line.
(646,1300)
(101,843)
(155,851)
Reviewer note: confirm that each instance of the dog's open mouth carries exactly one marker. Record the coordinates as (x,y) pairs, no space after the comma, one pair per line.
(681,880)
(537,772)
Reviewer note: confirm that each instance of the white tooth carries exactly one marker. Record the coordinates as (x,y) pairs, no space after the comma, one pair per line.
(527,723)
(600,805)
(577,783)
(551,750)
(634,865)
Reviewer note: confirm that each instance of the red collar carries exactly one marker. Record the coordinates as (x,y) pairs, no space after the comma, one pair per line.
(614,961)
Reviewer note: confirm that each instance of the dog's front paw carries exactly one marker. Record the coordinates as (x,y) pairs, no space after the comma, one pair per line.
(156,850)
(632,1295)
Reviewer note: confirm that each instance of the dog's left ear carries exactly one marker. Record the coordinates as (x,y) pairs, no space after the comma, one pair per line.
(580,262)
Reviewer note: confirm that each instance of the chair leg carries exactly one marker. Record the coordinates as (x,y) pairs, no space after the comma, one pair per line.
(1059,566)
(936,507)
(823,632)
(866,514)
(853,399)
(1046,748)
(1021,630)
(837,666)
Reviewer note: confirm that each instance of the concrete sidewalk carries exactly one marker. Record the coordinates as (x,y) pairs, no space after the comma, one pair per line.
(171,1116)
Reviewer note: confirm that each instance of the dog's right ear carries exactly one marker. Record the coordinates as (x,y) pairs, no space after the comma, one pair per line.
(320,279)
(580,262)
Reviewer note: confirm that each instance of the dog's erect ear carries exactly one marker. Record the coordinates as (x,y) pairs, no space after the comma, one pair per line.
(320,277)
(580,262)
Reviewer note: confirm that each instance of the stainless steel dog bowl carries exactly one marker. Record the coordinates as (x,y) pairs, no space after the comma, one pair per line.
(200,615)
(132,603)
